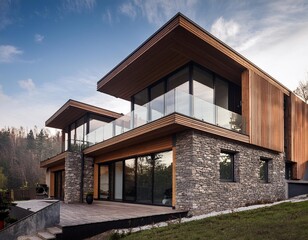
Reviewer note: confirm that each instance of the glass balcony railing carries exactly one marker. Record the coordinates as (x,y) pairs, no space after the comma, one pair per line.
(174,101)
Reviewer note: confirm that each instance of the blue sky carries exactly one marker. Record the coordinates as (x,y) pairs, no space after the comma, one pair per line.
(51,51)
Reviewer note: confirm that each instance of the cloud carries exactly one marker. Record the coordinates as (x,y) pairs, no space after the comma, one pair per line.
(225,30)
(8,53)
(107,16)
(38,38)
(78,6)
(27,84)
(157,12)
(128,9)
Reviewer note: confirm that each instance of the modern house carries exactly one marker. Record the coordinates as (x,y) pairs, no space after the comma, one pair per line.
(208,130)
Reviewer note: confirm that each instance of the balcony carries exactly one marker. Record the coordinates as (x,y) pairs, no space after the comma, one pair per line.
(174,101)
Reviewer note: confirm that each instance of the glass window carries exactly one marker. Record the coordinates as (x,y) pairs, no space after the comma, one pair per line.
(142,97)
(118,179)
(226,166)
(104,182)
(179,80)
(130,180)
(263,166)
(144,179)
(162,193)
(221,93)
(203,86)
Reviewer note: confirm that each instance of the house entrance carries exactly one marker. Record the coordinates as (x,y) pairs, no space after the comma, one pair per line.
(59,184)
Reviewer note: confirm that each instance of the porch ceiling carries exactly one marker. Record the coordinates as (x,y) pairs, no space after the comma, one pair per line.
(73,110)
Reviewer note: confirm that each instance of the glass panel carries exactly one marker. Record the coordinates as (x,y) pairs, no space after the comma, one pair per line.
(170,102)
(183,102)
(229,120)
(163,178)
(144,179)
(140,115)
(118,179)
(104,182)
(221,93)
(130,178)
(66,142)
(203,86)
(204,110)
(108,131)
(157,108)
(95,124)
(226,166)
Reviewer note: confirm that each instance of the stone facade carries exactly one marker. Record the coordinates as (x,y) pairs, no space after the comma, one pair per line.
(198,185)
(88,178)
(73,170)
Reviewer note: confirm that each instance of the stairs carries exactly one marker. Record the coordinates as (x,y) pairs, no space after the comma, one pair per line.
(52,233)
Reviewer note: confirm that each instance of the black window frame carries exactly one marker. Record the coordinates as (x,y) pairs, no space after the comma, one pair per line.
(232,156)
(265,161)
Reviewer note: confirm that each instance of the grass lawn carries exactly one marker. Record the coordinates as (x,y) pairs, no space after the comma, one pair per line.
(283,221)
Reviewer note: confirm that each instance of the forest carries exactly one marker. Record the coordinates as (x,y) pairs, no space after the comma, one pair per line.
(21,151)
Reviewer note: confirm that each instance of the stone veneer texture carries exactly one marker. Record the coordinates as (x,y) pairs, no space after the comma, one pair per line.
(198,185)
(72,177)
(88,178)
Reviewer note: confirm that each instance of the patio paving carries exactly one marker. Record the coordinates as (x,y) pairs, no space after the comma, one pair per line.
(104,211)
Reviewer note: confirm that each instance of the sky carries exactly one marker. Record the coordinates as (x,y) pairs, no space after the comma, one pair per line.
(52,51)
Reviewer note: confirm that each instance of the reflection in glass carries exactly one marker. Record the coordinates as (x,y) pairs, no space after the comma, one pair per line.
(130,179)
(104,182)
(144,179)
(162,193)
(118,179)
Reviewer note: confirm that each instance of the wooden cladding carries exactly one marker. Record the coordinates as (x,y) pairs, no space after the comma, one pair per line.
(95,185)
(263,106)
(299,135)
(157,145)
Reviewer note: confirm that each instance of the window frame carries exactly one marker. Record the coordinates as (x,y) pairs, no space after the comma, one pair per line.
(266,169)
(232,155)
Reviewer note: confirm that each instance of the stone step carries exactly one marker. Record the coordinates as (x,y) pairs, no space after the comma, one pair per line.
(28,237)
(54,230)
(46,235)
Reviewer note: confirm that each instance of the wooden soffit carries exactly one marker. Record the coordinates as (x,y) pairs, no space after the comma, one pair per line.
(54,161)
(178,42)
(73,110)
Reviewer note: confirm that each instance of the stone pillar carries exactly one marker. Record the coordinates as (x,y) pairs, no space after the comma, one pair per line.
(72,187)
(88,178)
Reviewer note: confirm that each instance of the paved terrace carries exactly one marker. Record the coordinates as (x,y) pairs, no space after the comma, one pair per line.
(104,211)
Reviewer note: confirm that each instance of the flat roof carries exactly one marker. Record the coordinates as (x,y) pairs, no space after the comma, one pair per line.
(177,43)
(73,110)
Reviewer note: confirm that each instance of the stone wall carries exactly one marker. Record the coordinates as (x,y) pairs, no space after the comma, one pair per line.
(72,187)
(198,185)
(88,178)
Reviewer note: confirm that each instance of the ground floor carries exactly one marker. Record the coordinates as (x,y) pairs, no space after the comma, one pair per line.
(191,170)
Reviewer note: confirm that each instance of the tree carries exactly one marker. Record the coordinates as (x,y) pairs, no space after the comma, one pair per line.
(302,90)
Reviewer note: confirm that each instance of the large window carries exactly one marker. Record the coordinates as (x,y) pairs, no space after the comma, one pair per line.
(226,166)
(144,179)
(263,167)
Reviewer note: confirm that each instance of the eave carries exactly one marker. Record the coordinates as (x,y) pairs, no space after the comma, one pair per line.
(178,42)
(54,161)
(73,110)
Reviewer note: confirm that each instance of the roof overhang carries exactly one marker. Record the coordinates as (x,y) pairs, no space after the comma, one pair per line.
(73,110)
(178,42)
